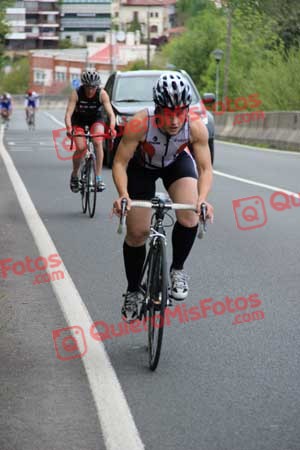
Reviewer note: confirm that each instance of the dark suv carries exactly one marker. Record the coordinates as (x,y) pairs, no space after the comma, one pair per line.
(131,92)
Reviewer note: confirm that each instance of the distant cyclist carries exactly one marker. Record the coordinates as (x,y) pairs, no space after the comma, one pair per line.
(5,106)
(31,103)
(85,108)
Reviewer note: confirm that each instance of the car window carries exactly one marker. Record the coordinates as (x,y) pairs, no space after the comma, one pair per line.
(139,89)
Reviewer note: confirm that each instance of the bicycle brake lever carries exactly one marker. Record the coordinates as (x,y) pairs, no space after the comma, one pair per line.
(122,218)
(203,225)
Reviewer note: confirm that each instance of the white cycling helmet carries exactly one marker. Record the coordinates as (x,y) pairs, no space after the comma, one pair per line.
(90,78)
(171,91)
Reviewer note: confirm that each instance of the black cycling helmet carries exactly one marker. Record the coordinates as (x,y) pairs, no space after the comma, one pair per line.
(172,90)
(90,78)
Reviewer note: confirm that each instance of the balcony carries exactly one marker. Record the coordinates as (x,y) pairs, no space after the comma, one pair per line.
(16,36)
(48,25)
(48,38)
(52,13)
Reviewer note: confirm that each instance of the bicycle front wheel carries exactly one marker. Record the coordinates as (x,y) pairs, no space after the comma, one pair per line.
(157,288)
(92,186)
(84,189)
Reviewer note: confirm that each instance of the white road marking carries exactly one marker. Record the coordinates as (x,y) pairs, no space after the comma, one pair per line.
(118,427)
(251,147)
(21,149)
(54,119)
(256,183)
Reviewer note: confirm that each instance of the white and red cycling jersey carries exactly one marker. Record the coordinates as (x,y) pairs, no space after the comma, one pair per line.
(160,149)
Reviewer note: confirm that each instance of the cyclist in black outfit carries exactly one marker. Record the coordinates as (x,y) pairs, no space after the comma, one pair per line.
(85,108)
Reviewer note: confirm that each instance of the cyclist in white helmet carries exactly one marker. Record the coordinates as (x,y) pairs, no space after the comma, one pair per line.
(85,108)
(159,149)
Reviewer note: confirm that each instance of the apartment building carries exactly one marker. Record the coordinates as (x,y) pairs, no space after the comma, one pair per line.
(33,24)
(16,18)
(84,20)
(41,23)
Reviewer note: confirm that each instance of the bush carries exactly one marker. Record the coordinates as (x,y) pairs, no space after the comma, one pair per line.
(138,64)
(65,43)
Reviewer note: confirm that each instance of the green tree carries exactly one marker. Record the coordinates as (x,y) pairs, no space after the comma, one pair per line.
(254,41)
(65,43)
(4,28)
(287,15)
(16,82)
(134,25)
(189,8)
(277,81)
(191,51)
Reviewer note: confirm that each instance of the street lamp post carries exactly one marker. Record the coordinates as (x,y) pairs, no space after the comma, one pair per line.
(218,54)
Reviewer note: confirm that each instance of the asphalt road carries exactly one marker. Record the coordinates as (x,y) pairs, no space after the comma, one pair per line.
(219,385)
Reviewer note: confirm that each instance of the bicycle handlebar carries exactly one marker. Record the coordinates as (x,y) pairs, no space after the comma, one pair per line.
(87,135)
(90,135)
(174,206)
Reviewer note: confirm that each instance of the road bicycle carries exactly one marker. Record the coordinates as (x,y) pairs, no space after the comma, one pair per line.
(87,180)
(30,118)
(5,119)
(154,281)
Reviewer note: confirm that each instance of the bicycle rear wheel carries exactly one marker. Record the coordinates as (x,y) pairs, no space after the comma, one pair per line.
(157,287)
(92,187)
(84,190)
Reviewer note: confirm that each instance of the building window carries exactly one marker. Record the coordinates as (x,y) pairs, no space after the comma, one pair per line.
(151,14)
(60,76)
(89,38)
(74,76)
(153,29)
(116,14)
(135,16)
(156,14)
(39,76)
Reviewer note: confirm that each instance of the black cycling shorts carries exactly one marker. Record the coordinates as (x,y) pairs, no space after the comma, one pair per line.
(141,181)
